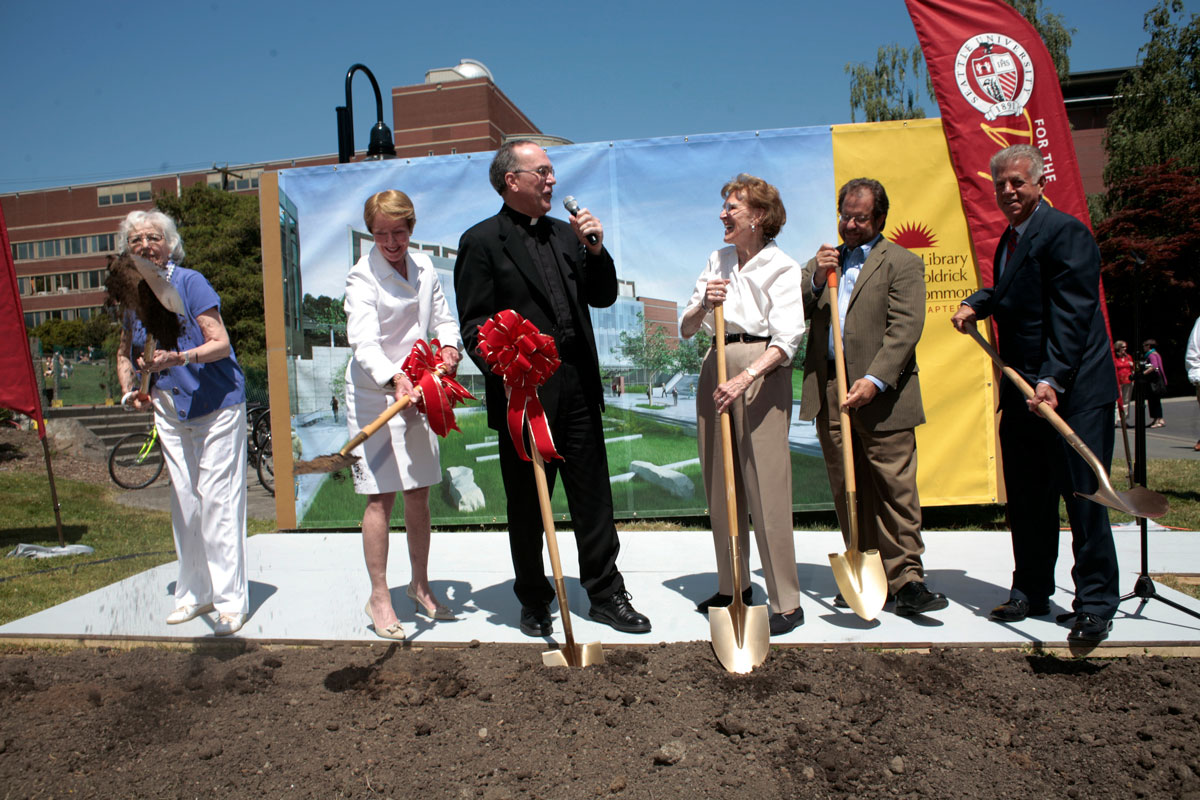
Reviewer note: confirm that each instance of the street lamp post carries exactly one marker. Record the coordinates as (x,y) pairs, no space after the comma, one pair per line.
(380,146)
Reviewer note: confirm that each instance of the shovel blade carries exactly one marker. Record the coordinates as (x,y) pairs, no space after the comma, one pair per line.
(1136,502)
(579,655)
(861,580)
(740,654)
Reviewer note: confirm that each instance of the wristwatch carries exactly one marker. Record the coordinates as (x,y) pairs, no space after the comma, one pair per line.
(752,372)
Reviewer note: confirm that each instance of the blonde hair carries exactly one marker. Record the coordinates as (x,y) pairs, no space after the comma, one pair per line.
(392,203)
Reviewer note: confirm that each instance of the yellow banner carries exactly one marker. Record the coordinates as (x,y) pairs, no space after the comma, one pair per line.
(956,447)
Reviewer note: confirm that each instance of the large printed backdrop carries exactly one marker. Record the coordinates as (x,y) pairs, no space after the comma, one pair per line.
(659,200)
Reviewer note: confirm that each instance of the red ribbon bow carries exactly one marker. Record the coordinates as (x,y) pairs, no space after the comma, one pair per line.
(439,391)
(525,358)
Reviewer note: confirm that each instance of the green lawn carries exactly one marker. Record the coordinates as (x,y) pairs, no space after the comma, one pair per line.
(126,540)
(336,505)
(87,386)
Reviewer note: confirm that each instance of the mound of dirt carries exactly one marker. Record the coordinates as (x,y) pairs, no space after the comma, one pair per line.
(658,722)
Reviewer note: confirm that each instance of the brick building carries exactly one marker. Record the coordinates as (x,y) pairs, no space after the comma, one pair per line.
(61,237)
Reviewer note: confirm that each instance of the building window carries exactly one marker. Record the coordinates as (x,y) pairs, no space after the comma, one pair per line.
(67,246)
(238,180)
(121,193)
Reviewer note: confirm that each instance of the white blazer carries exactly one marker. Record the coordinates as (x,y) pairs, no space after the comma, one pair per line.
(386,314)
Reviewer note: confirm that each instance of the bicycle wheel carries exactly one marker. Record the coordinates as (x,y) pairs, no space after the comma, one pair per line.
(266,467)
(261,428)
(136,461)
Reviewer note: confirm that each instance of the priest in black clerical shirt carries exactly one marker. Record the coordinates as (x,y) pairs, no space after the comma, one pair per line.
(549,272)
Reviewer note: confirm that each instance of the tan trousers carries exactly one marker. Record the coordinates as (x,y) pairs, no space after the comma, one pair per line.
(885,471)
(762,473)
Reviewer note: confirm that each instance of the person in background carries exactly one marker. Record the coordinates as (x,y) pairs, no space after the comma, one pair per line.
(198,395)
(758,286)
(1156,383)
(1124,363)
(394,298)
(1191,359)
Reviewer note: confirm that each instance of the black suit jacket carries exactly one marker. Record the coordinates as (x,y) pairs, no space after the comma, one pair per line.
(1047,311)
(494,272)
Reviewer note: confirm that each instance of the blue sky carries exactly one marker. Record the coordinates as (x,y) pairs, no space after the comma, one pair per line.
(101,91)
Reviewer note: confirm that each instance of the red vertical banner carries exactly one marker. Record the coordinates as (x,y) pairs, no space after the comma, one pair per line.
(996,86)
(18,383)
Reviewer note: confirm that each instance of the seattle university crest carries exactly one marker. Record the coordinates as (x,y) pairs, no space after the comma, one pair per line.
(995,74)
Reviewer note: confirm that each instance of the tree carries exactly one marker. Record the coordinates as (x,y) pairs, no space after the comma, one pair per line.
(1157,112)
(689,356)
(323,315)
(221,237)
(883,92)
(647,350)
(890,89)
(1155,222)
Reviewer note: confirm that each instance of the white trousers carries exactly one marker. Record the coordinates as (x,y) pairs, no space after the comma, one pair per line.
(206,459)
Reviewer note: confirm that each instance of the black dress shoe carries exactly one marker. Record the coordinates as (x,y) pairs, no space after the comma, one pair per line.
(915,598)
(839,601)
(719,600)
(782,623)
(1014,609)
(1089,629)
(617,613)
(535,620)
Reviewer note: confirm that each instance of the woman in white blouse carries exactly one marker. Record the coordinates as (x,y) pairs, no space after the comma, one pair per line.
(759,286)
(394,298)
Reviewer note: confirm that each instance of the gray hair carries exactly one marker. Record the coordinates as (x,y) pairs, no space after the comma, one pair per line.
(159,220)
(504,162)
(1016,153)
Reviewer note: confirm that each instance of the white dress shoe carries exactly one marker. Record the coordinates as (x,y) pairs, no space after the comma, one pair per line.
(185,613)
(229,623)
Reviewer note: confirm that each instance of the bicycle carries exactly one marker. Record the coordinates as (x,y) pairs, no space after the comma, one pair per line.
(266,465)
(136,460)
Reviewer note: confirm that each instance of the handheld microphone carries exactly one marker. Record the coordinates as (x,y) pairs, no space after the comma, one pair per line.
(572,207)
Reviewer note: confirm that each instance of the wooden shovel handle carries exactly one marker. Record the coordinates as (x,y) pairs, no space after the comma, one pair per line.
(839,362)
(391,411)
(543,490)
(147,354)
(737,608)
(1046,411)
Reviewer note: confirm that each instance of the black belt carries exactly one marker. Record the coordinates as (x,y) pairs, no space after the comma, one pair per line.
(745,338)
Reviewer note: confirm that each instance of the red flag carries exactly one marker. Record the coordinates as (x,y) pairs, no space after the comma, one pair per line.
(996,86)
(18,383)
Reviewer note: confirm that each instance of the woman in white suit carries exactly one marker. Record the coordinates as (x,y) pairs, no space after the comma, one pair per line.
(394,298)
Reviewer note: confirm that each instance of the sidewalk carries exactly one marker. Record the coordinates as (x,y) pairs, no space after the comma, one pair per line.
(310,588)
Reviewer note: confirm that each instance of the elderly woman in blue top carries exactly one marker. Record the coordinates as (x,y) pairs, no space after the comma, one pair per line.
(394,298)
(199,400)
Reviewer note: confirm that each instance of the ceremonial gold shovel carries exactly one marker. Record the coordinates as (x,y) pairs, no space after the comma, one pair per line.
(570,654)
(1137,502)
(740,633)
(859,574)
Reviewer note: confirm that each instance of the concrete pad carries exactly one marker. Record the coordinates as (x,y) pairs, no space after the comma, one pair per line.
(311,587)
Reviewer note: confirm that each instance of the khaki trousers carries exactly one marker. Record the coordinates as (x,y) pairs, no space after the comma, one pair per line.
(885,471)
(762,467)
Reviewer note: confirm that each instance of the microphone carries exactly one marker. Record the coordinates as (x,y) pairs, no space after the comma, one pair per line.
(572,207)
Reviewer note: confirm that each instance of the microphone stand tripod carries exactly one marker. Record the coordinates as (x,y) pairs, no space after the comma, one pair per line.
(1143,588)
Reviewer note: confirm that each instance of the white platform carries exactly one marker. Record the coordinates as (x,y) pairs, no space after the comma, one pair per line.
(311,587)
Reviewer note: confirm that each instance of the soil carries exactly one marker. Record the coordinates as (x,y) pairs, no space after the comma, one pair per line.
(235,719)
(490,722)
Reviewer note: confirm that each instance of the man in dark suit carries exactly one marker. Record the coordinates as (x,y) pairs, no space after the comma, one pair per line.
(550,273)
(1046,303)
(881,302)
